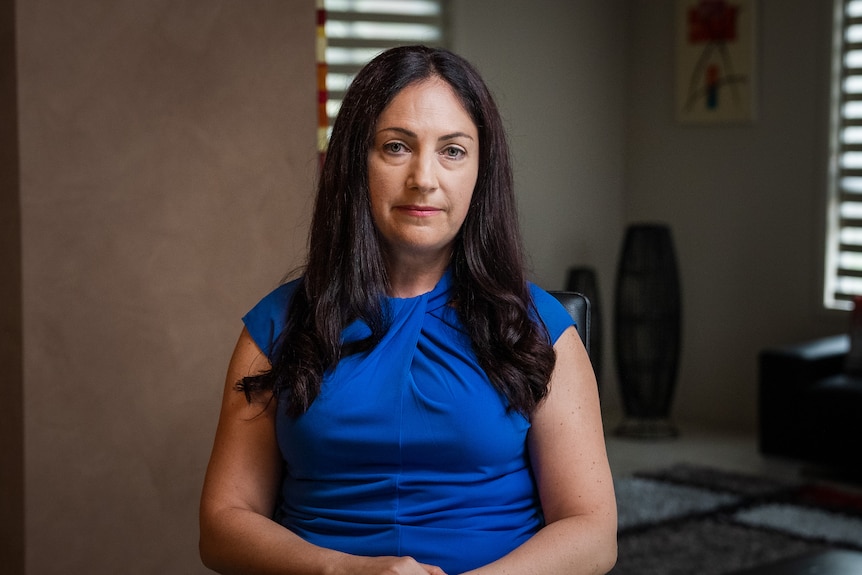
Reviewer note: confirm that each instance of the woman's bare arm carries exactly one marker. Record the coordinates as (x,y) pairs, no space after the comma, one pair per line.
(567,450)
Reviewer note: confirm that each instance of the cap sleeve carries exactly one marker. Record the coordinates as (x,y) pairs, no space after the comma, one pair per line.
(266,320)
(552,313)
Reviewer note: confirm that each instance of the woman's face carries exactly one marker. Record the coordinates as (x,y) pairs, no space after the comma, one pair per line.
(422,169)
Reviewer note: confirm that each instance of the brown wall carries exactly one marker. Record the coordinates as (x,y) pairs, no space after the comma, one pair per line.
(167,157)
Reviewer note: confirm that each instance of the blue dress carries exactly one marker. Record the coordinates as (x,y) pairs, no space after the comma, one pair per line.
(408,449)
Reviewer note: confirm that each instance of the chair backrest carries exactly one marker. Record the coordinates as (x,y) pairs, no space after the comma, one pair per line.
(578,306)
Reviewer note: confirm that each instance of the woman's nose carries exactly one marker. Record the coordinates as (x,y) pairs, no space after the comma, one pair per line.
(423,173)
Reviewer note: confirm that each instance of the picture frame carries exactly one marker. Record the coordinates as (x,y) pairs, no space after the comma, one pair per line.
(715,61)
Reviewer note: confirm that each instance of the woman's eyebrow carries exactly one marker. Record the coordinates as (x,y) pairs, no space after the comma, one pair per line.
(455,135)
(410,134)
(403,131)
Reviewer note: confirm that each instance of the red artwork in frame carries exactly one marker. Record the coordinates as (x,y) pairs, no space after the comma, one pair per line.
(715,49)
(712,21)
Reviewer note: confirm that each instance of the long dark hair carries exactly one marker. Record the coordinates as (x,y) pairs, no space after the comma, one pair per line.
(345,275)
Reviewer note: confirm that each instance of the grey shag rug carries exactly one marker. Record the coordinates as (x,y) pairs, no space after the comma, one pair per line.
(693,520)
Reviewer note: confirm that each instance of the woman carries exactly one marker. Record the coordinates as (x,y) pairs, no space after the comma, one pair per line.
(411,404)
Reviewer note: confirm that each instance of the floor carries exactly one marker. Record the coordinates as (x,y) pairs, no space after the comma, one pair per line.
(723,449)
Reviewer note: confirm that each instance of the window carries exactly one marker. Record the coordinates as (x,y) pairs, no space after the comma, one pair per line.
(358,30)
(843,277)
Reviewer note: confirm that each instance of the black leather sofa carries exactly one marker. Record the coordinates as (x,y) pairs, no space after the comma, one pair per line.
(810,409)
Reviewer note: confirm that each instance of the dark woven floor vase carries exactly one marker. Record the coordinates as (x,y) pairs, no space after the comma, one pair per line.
(647,330)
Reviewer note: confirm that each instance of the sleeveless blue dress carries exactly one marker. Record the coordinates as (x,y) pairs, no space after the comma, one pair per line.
(408,449)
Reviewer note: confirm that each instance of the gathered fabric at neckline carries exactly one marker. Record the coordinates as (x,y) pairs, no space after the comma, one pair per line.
(438,297)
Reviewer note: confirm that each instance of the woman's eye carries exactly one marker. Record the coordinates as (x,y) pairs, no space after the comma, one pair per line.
(453,152)
(395,147)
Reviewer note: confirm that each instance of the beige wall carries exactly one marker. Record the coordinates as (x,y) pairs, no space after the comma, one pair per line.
(556,69)
(746,202)
(167,159)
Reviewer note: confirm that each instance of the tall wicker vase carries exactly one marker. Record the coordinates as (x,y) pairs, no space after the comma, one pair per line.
(647,330)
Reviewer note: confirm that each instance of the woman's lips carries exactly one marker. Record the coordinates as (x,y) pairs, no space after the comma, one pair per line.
(419,211)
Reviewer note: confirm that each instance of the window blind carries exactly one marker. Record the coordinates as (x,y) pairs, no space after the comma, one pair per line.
(843,274)
(358,30)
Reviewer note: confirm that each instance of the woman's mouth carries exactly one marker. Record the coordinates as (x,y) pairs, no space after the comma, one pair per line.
(419,211)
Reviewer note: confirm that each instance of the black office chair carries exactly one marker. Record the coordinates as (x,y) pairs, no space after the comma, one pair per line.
(578,306)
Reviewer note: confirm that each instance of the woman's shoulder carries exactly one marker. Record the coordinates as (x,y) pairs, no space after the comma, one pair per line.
(266,320)
(551,312)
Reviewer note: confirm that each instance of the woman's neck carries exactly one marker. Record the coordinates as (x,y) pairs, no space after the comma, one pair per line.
(413,278)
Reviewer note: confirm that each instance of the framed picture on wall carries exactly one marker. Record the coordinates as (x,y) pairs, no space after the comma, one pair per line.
(715,61)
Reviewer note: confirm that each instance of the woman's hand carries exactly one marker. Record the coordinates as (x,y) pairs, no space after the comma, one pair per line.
(354,565)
